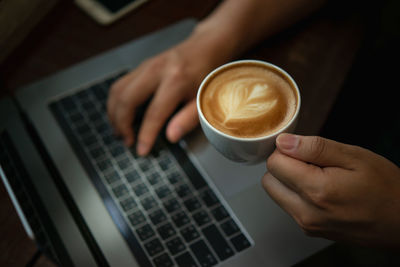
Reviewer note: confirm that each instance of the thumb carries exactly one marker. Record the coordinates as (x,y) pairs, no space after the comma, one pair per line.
(316,150)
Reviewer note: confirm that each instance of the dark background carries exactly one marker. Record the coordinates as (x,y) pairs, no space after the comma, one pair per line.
(367,111)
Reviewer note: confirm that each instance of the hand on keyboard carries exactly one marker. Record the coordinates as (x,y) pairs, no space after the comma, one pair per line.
(171,78)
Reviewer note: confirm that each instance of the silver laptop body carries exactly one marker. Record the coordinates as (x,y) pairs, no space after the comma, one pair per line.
(86,233)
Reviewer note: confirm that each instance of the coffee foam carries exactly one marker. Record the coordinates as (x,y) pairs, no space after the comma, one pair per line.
(248,100)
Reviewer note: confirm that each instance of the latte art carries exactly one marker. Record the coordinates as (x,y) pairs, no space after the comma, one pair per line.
(248,101)
(245,99)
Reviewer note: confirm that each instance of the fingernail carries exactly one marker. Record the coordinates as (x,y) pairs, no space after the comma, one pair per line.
(287,141)
(142,149)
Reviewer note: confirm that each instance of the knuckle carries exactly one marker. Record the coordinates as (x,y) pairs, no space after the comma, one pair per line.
(310,225)
(152,64)
(272,161)
(318,146)
(352,151)
(176,74)
(265,181)
(319,198)
(322,195)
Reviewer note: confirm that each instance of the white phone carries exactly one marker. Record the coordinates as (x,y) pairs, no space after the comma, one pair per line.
(108,11)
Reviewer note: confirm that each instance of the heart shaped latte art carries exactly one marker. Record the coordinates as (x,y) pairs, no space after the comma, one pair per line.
(245,99)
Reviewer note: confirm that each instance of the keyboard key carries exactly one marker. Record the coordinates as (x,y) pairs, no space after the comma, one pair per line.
(109,139)
(166,231)
(132,176)
(201,217)
(154,247)
(229,227)
(164,162)
(174,177)
(102,128)
(97,152)
(209,197)
(136,218)
(117,150)
(197,181)
(189,233)
(112,177)
(144,164)
(185,260)
(145,232)
(219,213)
(105,165)
(163,261)
(154,178)
(83,130)
(192,204)
(183,190)
(172,205)
(203,254)
(175,245)
(180,218)
(218,242)
(83,95)
(120,190)
(163,191)
(88,106)
(128,204)
(95,117)
(149,202)
(240,242)
(140,189)
(90,140)
(68,104)
(124,163)
(157,217)
(77,118)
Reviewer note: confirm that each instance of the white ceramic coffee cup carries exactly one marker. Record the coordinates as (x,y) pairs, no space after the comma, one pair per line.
(245,150)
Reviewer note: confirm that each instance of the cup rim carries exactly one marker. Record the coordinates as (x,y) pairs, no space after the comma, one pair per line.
(248,139)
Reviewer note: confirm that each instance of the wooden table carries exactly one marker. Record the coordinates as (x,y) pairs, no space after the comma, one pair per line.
(317,52)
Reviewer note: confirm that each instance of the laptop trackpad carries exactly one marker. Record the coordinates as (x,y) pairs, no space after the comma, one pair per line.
(230,177)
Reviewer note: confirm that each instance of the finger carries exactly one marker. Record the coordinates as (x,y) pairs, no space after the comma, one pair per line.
(307,216)
(309,181)
(160,108)
(316,150)
(133,95)
(124,117)
(287,199)
(300,177)
(115,90)
(183,122)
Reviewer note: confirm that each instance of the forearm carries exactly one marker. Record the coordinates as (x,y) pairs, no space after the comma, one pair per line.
(236,25)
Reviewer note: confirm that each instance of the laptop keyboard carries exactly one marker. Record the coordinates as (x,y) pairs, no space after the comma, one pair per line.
(168,214)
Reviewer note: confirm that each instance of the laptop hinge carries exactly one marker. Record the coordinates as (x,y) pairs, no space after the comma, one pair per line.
(61,186)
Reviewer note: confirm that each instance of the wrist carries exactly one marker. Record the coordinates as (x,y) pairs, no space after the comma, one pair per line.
(214,43)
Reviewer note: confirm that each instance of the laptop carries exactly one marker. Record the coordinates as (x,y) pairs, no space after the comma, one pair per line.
(87,200)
